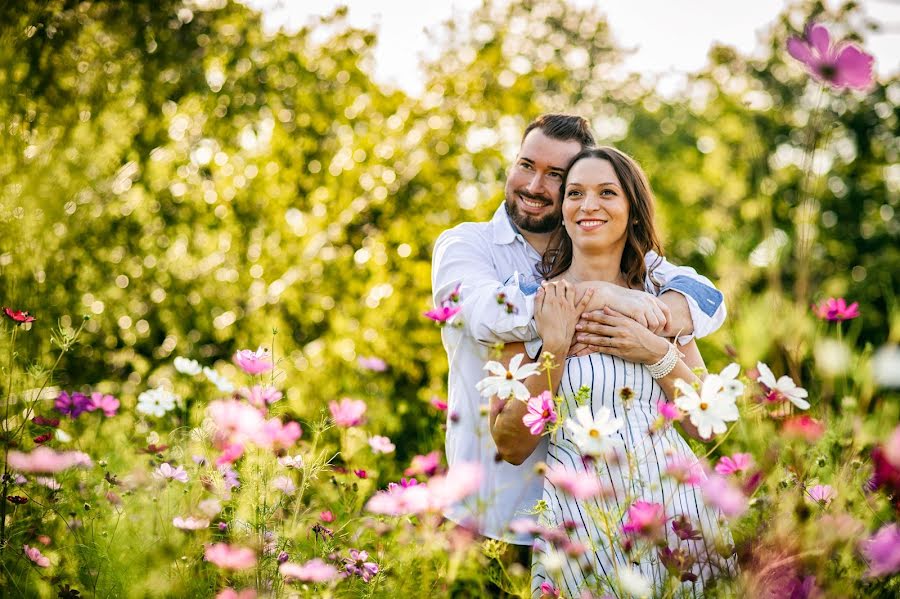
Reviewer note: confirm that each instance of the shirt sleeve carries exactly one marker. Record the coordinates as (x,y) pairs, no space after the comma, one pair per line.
(706,303)
(493,311)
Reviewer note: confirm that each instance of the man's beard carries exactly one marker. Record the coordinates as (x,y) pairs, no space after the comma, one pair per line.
(527,222)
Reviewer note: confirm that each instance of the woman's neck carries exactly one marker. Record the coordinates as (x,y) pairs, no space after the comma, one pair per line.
(604,267)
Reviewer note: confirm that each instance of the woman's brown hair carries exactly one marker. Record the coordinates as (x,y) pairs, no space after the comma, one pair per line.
(641,235)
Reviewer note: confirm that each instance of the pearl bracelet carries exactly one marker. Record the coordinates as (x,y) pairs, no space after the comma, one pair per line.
(666,364)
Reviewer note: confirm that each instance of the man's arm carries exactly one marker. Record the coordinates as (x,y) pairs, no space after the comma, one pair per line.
(462,257)
(705,304)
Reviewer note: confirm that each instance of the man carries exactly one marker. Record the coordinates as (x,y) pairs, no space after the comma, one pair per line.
(495,266)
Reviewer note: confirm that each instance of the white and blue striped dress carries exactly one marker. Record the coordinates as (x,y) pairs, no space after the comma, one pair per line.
(643,479)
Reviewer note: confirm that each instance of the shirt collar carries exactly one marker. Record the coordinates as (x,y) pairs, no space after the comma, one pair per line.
(504,230)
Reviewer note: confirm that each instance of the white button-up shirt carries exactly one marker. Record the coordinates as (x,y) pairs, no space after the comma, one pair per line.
(487,259)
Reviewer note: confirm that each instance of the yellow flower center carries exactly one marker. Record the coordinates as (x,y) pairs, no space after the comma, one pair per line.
(509,376)
(703,405)
(594,433)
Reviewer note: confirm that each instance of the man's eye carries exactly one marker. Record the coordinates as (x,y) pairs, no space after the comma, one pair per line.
(555,175)
(525,165)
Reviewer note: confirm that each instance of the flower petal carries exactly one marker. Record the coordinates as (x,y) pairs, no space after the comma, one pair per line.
(818,36)
(854,69)
(800,50)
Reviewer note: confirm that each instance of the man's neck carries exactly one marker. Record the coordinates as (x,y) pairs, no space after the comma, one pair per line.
(539,241)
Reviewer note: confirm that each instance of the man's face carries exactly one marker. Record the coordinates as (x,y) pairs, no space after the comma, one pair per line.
(532,184)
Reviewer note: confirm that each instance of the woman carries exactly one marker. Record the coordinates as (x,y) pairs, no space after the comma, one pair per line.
(619,534)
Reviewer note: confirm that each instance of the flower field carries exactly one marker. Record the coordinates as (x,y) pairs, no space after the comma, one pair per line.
(220,362)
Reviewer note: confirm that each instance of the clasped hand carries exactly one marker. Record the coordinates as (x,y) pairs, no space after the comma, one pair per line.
(611,332)
(556,312)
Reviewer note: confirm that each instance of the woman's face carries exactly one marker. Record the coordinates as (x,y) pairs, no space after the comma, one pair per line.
(595,209)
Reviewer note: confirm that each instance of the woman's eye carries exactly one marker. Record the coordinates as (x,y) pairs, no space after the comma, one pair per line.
(571,193)
(608,192)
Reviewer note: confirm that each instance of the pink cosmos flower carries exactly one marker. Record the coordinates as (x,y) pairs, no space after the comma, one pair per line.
(35,555)
(315,570)
(107,403)
(840,65)
(685,469)
(230,593)
(541,411)
(443,314)
(803,427)
(72,405)
(835,310)
(326,516)
(822,494)
(439,403)
(254,362)
(882,551)
(231,453)
(646,519)
(440,492)
(166,472)
(668,410)
(230,557)
(277,434)
(18,316)
(720,493)
(424,464)
(579,485)
(739,462)
(284,484)
(261,396)
(347,413)
(190,523)
(548,590)
(372,363)
(44,459)
(381,444)
(357,564)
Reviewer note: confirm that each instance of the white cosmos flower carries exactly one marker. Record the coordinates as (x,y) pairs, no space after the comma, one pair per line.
(505,383)
(710,409)
(633,583)
(785,386)
(730,384)
(186,366)
(156,402)
(594,434)
(221,382)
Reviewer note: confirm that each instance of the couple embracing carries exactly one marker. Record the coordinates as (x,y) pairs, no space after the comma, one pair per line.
(571,265)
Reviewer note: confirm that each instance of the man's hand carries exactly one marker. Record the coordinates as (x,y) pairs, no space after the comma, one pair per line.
(556,311)
(640,306)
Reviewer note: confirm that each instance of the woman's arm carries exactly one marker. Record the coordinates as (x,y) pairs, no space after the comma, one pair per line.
(555,313)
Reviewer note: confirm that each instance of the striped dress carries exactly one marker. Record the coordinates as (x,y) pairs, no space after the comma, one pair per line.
(637,474)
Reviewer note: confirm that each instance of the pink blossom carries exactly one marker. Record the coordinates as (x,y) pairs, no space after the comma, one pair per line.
(190,523)
(840,65)
(347,413)
(254,362)
(739,462)
(443,314)
(381,444)
(44,459)
(236,421)
(315,570)
(276,434)
(284,484)
(822,494)
(579,485)
(357,564)
(646,519)
(834,310)
(326,516)
(882,551)
(439,403)
(541,411)
(107,403)
(261,396)
(438,493)
(230,454)
(685,469)
(548,590)
(374,364)
(720,493)
(18,316)
(525,526)
(803,427)
(230,557)
(166,472)
(230,593)
(668,410)
(424,464)
(72,404)
(35,555)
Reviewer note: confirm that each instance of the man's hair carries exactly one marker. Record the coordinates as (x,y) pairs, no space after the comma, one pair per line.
(563,127)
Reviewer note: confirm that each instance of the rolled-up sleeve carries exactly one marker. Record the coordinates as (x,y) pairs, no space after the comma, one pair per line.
(462,258)
(705,302)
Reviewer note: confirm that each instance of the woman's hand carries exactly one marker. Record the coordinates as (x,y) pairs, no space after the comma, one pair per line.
(618,335)
(556,311)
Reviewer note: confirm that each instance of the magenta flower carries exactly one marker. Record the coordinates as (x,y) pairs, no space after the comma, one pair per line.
(35,555)
(18,316)
(314,570)
(254,362)
(645,519)
(261,396)
(357,564)
(541,411)
(72,405)
(424,464)
(669,411)
(822,494)
(230,557)
(882,551)
(685,469)
(548,590)
(836,310)
(373,363)
(44,459)
(347,413)
(840,65)
(107,403)
(439,403)
(326,516)
(803,427)
(739,462)
(579,485)
(720,493)
(443,314)
(166,472)
(230,593)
